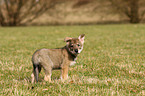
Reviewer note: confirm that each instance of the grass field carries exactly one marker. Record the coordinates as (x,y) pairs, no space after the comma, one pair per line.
(112,62)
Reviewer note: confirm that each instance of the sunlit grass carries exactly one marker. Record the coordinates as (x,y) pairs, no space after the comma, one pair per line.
(112,62)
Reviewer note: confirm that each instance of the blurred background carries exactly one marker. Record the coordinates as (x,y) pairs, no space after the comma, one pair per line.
(70,12)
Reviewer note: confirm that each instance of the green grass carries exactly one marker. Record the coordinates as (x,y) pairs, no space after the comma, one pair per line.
(112,62)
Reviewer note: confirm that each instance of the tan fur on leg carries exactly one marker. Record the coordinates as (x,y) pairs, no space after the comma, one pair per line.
(32,78)
(64,74)
(47,78)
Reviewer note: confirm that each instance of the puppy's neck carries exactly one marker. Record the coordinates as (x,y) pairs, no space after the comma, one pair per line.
(74,56)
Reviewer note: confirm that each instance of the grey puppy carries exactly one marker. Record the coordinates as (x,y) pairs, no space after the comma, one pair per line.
(60,58)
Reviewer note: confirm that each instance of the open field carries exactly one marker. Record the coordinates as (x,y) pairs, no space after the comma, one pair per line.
(112,62)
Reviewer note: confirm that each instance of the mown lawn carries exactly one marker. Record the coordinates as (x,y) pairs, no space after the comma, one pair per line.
(112,62)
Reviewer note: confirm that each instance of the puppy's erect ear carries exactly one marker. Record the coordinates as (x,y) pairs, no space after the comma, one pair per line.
(67,39)
(81,38)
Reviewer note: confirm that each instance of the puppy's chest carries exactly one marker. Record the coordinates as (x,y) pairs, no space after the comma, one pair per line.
(72,63)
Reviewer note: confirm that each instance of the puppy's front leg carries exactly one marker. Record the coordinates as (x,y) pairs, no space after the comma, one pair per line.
(64,73)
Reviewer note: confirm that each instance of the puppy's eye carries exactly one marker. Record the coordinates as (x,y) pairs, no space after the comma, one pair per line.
(71,46)
(78,44)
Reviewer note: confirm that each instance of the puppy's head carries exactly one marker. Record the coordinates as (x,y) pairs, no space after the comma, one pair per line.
(75,45)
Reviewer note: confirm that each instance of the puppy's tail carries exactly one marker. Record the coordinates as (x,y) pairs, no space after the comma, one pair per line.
(36,72)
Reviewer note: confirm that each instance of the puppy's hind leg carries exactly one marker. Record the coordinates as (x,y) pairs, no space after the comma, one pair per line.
(48,72)
(32,77)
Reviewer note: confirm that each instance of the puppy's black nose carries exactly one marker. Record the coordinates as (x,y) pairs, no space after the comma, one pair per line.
(76,50)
